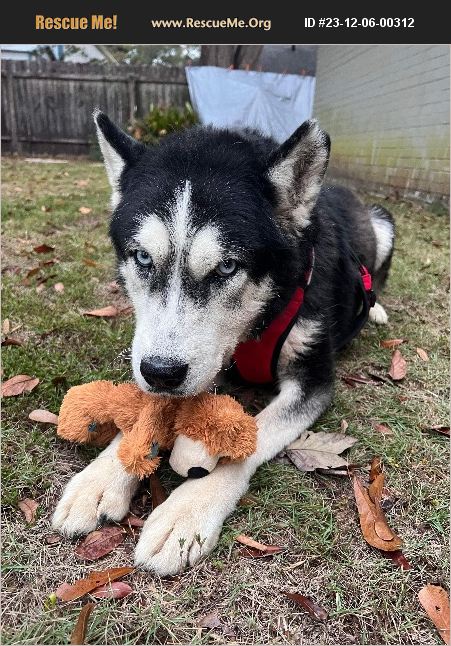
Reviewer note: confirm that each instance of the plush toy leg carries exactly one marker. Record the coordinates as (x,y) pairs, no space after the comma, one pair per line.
(138,450)
(94,412)
(220,423)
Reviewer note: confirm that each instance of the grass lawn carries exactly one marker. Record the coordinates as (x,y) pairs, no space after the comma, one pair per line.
(369,599)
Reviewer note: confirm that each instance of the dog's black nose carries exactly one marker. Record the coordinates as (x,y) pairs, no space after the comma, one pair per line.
(163,373)
(197,472)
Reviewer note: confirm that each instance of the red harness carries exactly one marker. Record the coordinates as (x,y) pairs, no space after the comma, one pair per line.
(256,360)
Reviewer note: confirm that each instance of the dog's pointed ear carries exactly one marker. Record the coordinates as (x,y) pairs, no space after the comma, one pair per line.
(119,150)
(297,169)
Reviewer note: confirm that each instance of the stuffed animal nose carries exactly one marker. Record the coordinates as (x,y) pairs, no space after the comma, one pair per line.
(163,373)
(197,472)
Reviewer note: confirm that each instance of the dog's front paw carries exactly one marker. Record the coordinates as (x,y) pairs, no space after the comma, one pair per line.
(103,490)
(186,527)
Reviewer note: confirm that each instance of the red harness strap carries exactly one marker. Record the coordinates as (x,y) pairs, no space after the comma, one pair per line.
(256,360)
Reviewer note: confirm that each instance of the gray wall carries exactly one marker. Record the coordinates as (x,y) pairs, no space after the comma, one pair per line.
(387,111)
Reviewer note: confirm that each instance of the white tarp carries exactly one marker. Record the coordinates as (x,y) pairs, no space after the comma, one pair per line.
(274,104)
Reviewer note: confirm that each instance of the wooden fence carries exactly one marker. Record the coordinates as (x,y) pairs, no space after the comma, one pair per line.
(47,106)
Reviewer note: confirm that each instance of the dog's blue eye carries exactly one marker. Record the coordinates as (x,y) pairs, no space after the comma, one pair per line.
(227,267)
(143,258)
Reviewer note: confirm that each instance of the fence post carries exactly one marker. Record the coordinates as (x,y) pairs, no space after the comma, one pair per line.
(131,83)
(15,144)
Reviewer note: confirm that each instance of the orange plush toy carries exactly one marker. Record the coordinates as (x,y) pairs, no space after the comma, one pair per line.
(200,429)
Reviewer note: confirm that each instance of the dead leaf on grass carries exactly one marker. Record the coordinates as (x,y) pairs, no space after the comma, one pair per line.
(81,182)
(344,426)
(248,501)
(398,558)
(319,450)
(58,287)
(422,354)
(67,592)
(353,379)
(114,590)
(85,210)
(100,542)
(133,521)
(18,385)
(435,601)
(157,491)
(398,367)
(391,343)
(314,610)
(382,428)
(28,507)
(78,635)
(90,263)
(253,549)
(10,340)
(6,327)
(43,416)
(373,523)
(43,248)
(443,430)
(210,621)
(109,311)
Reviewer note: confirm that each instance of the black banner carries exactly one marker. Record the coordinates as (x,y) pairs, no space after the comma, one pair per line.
(229,23)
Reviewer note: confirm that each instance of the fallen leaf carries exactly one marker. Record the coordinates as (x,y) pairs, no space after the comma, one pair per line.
(99,543)
(398,558)
(114,590)
(344,426)
(81,182)
(18,385)
(210,621)
(422,354)
(85,210)
(435,601)
(319,450)
(109,311)
(354,379)
(48,263)
(373,523)
(28,507)
(44,416)
(398,367)
(248,501)
(95,579)
(45,209)
(79,633)
(157,491)
(391,343)
(43,248)
(10,340)
(58,287)
(89,262)
(382,428)
(444,430)
(133,521)
(314,610)
(253,549)
(32,272)
(6,327)
(53,539)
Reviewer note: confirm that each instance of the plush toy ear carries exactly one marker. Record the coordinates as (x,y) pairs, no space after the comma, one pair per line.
(190,458)
(119,150)
(297,170)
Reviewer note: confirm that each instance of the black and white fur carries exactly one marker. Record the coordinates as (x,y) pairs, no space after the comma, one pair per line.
(198,199)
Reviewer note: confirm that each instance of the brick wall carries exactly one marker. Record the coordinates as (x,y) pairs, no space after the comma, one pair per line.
(387,111)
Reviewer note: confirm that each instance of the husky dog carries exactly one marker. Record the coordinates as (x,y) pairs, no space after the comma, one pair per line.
(214,231)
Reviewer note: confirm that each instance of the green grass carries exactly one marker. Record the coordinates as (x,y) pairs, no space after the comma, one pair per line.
(369,600)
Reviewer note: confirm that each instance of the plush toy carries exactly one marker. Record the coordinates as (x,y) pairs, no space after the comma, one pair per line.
(200,430)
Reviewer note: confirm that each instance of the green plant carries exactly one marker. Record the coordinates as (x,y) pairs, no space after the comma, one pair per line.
(161,121)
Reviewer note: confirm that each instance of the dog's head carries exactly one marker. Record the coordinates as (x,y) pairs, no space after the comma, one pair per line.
(203,228)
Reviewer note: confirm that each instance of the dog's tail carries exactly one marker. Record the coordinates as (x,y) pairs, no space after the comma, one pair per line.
(384,230)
